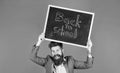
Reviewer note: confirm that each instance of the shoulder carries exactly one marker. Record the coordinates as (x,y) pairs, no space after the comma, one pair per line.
(69,57)
(48,56)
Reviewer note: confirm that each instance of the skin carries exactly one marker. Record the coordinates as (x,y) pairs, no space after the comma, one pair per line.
(56,50)
(57,55)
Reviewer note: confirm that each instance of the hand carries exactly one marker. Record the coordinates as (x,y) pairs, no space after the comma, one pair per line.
(40,39)
(89,45)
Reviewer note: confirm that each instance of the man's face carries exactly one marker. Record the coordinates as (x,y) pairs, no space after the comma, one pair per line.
(57,52)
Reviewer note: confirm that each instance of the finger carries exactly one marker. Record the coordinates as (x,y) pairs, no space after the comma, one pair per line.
(90,42)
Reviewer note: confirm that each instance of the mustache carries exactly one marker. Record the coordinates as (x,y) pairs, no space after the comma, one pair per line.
(57,55)
(58,61)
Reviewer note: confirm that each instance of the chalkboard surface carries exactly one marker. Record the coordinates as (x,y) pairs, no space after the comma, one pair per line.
(68,25)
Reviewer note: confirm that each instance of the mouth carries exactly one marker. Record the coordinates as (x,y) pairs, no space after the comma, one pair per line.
(56,57)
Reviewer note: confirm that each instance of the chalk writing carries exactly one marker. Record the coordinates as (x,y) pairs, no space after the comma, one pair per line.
(62,32)
(60,17)
(70,27)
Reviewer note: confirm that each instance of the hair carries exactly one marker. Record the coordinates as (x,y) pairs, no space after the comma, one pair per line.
(53,44)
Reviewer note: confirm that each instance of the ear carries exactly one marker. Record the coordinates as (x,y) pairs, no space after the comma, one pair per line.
(63,50)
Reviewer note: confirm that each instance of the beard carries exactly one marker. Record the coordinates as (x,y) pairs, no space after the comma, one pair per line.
(59,60)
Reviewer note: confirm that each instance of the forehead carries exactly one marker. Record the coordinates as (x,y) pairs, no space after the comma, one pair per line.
(56,48)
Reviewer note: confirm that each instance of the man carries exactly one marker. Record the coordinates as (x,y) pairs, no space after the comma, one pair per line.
(57,62)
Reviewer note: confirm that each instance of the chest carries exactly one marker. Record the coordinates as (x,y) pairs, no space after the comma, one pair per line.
(59,69)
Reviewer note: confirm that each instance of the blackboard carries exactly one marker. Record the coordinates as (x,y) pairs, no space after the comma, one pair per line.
(68,26)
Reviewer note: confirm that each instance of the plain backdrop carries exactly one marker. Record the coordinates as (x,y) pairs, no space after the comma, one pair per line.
(21,22)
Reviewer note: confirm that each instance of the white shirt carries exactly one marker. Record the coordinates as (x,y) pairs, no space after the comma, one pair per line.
(59,69)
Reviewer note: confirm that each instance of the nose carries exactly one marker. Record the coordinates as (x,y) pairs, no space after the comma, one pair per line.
(56,52)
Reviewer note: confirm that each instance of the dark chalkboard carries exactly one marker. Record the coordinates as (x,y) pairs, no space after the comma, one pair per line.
(68,26)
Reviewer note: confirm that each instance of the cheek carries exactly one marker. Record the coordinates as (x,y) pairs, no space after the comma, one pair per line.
(60,52)
(52,53)
(55,53)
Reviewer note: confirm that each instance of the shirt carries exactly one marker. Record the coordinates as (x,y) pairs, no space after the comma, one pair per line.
(59,69)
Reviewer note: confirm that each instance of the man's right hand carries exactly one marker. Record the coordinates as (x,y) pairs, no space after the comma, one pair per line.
(40,39)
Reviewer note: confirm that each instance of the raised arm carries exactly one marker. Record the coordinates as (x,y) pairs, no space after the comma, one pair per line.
(33,55)
(85,64)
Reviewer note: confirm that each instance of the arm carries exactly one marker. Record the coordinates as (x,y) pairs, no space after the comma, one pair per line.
(33,55)
(85,64)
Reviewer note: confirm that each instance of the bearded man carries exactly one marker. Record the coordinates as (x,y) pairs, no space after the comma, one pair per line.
(57,62)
